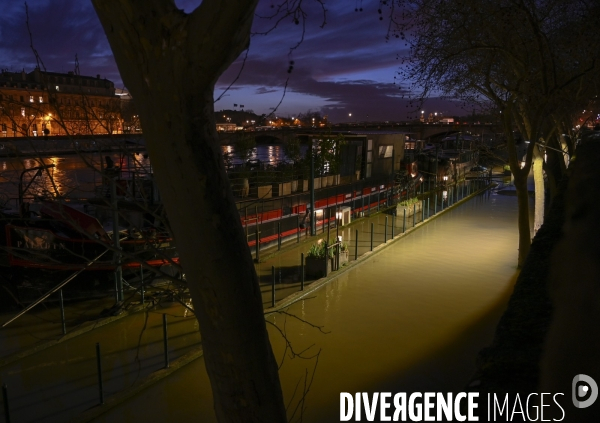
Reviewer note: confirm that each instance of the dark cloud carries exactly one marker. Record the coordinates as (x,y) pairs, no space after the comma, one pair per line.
(60,30)
(345,67)
(263,90)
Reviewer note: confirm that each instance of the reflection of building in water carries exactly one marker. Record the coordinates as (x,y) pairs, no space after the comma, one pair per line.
(47,103)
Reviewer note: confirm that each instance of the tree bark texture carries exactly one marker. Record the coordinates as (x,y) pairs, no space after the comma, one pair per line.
(520,181)
(170,61)
(538,178)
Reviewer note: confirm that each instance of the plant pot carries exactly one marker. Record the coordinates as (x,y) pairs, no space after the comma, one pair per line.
(323,181)
(336,179)
(409,209)
(294,185)
(330,180)
(315,267)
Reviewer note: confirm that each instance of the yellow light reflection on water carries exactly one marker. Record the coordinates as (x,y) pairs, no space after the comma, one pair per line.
(412,318)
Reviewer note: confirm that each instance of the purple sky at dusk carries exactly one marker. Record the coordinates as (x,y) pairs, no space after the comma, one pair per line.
(345,67)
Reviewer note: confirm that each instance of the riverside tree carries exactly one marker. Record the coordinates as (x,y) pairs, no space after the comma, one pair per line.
(170,62)
(524,57)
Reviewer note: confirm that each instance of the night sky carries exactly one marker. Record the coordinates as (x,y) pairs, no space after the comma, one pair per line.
(345,67)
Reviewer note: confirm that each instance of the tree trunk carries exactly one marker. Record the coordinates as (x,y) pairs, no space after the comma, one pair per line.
(170,61)
(520,181)
(538,178)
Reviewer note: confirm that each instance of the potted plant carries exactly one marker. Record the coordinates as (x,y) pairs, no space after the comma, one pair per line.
(409,206)
(316,259)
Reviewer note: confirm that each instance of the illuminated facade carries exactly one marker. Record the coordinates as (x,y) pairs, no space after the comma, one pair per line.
(47,103)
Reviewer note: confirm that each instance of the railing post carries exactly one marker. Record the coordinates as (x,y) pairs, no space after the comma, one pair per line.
(298,228)
(326,258)
(142,283)
(362,201)
(422,210)
(414,214)
(257,231)
(385,230)
(404,221)
(328,222)
(273,287)
(165,341)
(278,235)
(428,209)
(118,273)
(435,204)
(301,271)
(393,224)
(372,229)
(356,246)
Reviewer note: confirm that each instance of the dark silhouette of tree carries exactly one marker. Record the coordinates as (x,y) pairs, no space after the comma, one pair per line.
(524,57)
(170,61)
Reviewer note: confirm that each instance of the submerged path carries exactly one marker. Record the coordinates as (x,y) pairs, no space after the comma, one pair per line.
(411,318)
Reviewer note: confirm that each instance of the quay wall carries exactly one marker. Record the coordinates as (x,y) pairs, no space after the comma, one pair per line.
(45,146)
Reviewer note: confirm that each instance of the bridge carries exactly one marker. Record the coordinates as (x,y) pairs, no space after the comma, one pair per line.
(423,131)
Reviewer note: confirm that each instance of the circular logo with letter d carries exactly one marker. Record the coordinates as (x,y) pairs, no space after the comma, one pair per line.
(585,391)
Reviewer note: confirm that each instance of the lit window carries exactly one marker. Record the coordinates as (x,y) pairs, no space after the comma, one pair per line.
(31,99)
(41,99)
(23,111)
(57,88)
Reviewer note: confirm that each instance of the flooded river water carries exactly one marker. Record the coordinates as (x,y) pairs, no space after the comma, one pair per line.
(411,318)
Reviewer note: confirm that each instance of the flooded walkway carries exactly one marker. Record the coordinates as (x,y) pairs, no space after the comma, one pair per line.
(411,318)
